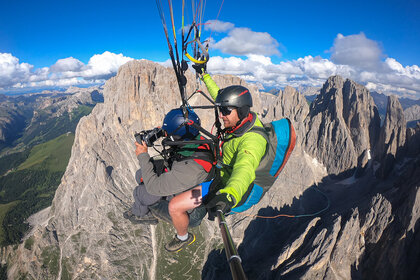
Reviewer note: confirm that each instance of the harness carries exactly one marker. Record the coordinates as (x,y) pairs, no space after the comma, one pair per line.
(281,138)
(201,154)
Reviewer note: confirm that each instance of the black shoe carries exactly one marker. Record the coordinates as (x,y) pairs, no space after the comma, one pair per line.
(177,245)
(147,219)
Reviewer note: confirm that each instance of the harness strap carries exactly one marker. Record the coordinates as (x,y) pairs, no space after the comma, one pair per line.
(204,157)
(205,164)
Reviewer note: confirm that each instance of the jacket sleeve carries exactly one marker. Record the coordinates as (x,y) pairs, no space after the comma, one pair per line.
(250,151)
(183,176)
(211,86)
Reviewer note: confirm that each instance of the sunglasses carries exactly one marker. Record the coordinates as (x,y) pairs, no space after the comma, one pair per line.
(226,110)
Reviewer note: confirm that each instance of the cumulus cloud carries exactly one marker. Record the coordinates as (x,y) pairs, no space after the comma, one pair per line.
(255,65)
(313,71)
(396,67)
(65,72)
(69,64)
(218,26)
(103,66)
(261,68)
(356,50)
(11,71)
(355,57)
(244,41)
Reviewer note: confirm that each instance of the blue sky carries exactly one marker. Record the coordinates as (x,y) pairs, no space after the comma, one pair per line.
(275,43)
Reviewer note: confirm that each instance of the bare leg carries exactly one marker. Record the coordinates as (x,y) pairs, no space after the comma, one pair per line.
(180,204)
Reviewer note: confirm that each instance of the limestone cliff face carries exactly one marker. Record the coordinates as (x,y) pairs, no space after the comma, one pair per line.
(85,237)
(343,121)
(412,113)
(289,103)
(413,140)
(10,125)
(392,137)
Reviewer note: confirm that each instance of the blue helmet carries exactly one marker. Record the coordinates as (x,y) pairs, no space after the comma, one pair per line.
(175,118)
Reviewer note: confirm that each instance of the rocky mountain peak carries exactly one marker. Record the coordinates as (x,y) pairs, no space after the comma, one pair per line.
(412,115)
(343,120)
(330,97)
(392,136)
(360,114)
(413,140)
(291,104)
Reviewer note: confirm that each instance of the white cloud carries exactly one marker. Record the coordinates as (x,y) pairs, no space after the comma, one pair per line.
(317,67)
(65,72)
(354,56)
(244,41)
(103,66)
(166,63)
(313,71)
(11,71)
(218,26)
(356,50)
(69,64)
(396,67)
(259,68)
(388,75)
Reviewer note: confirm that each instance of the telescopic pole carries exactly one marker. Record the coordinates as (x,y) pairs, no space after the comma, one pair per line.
(232,255)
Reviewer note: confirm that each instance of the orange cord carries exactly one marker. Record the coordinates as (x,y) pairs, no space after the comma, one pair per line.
(265,217)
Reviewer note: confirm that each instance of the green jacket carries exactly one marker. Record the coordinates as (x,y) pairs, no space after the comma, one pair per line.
(243,153)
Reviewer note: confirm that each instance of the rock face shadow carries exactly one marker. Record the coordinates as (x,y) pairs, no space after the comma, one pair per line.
(109,170)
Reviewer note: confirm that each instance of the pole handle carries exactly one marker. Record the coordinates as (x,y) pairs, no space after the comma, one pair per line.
(232,256)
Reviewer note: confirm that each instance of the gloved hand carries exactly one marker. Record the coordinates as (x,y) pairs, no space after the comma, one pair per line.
(200,68)
(221,201)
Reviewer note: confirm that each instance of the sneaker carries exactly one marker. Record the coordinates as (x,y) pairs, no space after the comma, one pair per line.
(177,245)
(147,219)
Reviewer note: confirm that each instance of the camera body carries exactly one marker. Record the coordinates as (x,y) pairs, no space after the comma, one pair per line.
(149,136)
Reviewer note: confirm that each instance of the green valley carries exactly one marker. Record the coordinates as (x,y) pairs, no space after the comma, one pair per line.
(31,186)
(37,135)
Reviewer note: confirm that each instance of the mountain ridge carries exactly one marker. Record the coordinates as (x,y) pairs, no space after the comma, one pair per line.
(90,240)
(29,112)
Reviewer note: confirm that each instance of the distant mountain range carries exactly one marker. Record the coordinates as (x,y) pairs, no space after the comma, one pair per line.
(24,118)
(381,102)
(36,136)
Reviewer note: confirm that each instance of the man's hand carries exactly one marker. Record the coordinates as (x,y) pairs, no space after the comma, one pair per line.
(140,148)
(200,68)
(221,201)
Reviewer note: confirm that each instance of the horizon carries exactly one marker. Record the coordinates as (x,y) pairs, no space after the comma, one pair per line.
(61,44)
(87,86)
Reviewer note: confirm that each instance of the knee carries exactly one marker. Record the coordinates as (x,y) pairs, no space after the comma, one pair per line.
(173,207)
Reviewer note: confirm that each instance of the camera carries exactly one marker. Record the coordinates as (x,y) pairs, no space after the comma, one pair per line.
(149,136)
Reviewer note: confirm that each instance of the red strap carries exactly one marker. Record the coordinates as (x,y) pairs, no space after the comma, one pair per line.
(205,164)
